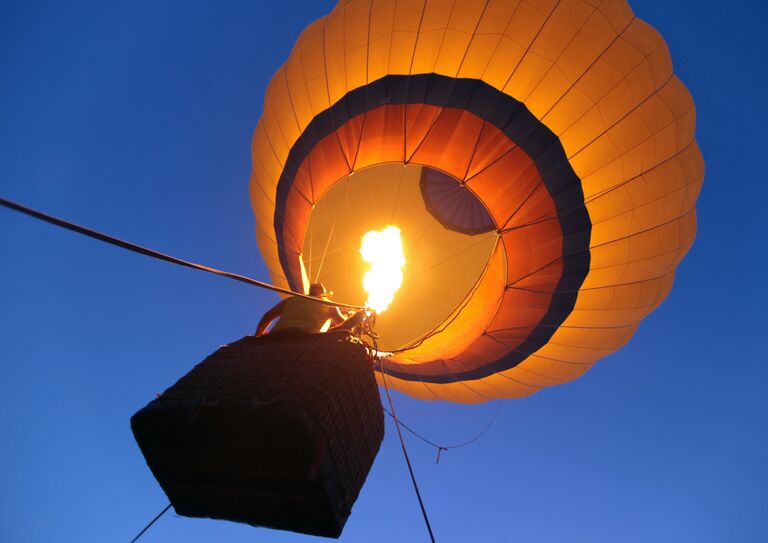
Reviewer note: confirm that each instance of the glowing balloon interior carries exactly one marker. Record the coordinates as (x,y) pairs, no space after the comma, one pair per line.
(539,156)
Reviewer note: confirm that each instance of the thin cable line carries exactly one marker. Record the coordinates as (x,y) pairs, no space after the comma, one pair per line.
(408,79)
(325,252)
(333,251)
(430,224)
(405,454)
(328,94)
(311,242)
(397,194)
(455,78)
(454,255)
(445,324)
(151,522)
(158,255)
(458,445)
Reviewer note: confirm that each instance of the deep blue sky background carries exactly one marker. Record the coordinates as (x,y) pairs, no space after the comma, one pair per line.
(135,118)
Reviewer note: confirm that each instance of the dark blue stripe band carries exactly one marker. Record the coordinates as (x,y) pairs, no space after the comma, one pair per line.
(522,127)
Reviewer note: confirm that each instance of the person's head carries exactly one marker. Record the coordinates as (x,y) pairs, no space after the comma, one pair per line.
(318,290)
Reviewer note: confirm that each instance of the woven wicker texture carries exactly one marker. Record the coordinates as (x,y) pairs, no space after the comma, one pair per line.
(277,431)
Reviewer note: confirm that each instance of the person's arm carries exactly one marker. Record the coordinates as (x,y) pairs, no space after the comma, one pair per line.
(335,315)
(270,316)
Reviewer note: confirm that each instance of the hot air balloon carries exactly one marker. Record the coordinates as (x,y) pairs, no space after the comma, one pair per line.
(539,160)
(538,156)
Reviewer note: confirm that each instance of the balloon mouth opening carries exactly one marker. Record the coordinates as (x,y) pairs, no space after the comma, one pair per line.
(438,267)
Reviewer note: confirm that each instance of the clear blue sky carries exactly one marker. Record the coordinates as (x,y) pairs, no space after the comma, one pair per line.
(135,118)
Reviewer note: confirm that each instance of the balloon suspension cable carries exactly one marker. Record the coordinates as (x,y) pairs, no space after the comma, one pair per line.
(367,330)
(441,448)
(151,522)
(158,255)
(325,252)
(439,330)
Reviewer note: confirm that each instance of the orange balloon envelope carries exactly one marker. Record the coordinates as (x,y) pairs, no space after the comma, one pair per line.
(538,156)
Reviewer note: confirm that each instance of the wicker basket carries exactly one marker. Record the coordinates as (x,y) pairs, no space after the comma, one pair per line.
(276,431)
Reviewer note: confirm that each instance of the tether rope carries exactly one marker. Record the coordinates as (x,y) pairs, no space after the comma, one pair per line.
(373,351)
(151,522)
(407,459)
(158,255)
(173,260)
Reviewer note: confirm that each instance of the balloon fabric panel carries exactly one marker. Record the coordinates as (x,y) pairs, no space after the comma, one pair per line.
(563,119)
